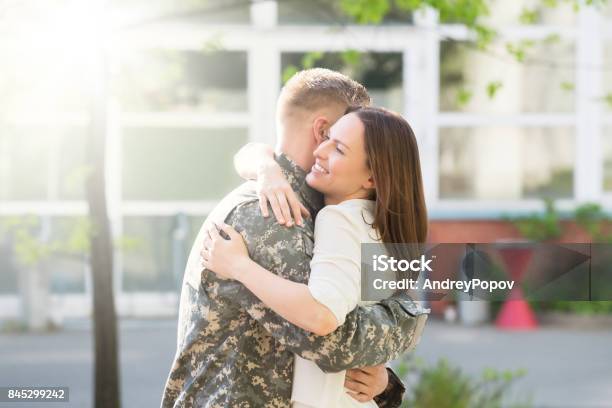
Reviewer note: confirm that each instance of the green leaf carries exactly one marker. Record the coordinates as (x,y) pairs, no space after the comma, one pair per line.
(608,99)
(529,16)
(444,385)
(521,372)
(351,57)
(402,369)
(311,58)
(366,11)
(127,243)
(28,249)
(288,72)
(508,375)
(519,50)
(213,44)
(492,88)
(409,5)
(17,222)
(567,86)
(591,217)
(79,241)
(466,12)
(540,227)
(552,39)
(464,96)
(484,36)
(489,374)
(518,54)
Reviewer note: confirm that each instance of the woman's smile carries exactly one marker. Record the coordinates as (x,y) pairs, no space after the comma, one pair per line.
(318,169)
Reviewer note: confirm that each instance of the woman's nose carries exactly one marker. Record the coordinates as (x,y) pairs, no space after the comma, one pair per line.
(321,150)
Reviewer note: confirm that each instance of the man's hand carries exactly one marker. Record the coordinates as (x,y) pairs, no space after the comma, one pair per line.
(367,382)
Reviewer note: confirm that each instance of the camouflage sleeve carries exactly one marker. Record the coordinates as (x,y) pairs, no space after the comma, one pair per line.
(393,394)
(371,335)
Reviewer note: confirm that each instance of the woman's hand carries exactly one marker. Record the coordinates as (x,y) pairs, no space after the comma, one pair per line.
(227,258)
(273,188)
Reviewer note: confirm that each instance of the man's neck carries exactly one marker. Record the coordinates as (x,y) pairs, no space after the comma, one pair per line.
(299,153)
(294,142)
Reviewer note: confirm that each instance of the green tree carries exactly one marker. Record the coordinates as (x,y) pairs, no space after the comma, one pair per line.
(470,13)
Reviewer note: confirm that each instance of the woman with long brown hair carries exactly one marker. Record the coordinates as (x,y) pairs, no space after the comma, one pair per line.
(368,170)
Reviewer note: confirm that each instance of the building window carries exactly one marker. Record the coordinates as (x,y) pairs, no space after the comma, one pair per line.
(44,162)
(493,81)
(159,247)
(506,163)
(183,81)
(179,163)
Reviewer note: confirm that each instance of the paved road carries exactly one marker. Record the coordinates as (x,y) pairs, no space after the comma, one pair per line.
(565,368)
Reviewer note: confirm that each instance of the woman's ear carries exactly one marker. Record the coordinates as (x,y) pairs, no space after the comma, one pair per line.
(369,183)
(320,126)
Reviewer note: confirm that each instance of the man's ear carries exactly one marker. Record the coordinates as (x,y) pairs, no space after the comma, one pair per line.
(320,126)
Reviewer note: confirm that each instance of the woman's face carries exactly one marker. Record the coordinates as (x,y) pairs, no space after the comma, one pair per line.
(340,171)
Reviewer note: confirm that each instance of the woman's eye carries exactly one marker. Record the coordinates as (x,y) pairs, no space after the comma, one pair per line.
(338,150)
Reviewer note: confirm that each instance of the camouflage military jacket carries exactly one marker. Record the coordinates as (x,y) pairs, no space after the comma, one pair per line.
(232,351)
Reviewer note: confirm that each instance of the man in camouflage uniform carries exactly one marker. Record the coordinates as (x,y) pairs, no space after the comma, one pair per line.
(232,350)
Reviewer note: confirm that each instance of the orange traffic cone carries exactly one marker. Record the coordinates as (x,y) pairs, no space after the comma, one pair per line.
(516,314)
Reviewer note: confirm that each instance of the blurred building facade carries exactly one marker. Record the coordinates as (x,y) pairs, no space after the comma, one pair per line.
(188,90)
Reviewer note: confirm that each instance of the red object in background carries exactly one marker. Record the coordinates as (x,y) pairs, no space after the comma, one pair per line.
(516,314)
(460,231)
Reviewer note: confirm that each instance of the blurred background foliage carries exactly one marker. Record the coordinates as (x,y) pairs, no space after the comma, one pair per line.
(444,385)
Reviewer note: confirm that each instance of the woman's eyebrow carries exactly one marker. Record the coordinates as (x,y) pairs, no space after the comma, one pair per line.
(333,139)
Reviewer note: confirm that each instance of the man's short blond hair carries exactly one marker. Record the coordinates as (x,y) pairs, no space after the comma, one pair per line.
(317,88)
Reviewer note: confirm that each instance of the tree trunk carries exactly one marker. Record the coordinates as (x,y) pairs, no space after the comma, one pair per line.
(34,291)
(106,374)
